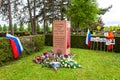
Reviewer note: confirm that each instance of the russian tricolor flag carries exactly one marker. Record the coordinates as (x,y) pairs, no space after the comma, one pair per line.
(17,48)
(88,37)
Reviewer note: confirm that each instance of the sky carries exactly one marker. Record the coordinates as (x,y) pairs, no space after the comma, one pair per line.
(110,18)
(113,16)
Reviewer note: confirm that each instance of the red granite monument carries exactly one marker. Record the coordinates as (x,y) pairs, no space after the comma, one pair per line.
(61,36)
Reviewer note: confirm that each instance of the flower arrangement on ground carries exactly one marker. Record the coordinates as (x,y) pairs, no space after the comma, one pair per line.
(56,60)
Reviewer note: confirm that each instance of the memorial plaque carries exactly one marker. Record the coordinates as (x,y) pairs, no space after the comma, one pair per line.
(61,36)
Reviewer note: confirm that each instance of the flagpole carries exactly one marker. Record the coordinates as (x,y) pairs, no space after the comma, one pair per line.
(101,46)
(104,46)
(91,45)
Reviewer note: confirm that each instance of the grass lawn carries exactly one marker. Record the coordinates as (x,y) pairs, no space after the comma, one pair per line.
(97,65)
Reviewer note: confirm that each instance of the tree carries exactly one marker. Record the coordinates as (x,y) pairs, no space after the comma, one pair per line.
(9,12)
(0,28)
(47,27)
(47,11)
(29,27)
(38,27)
(15,27)
(82,13)
(63,8)
(102,11)
(31,20)
(0,2)
(4,27)
(10,17)
(35,17)
(21,27)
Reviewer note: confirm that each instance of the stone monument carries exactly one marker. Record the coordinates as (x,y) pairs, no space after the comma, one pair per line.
(61,36)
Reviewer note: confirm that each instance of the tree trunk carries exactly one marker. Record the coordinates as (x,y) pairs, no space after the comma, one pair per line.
(44,18)
(31,20)
(0,3)
(10,18)
(52,14)
(61,9)
(35,16)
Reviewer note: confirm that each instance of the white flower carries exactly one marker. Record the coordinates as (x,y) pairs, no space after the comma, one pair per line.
(74,66)
(79,65)
(65,65)
(69,66)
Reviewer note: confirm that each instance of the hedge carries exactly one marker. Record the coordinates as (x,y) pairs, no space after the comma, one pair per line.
(78,41)
(33,43)
(117,44)
(5,51)
(48,40)
(30,44)
(20,33)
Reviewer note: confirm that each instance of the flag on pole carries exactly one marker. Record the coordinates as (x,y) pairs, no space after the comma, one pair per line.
(14,48)
(88,37)
(110,38)
(17,48)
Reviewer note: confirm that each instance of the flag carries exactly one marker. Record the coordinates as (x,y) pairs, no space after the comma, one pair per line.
(88,37)
(14,48)
(16,45)
(110,38)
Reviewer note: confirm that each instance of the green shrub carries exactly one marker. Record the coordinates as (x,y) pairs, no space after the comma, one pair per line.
(15,27)
(30,44)
(48,40)
(21,27)
(117,44)
(39,42)
(2,34)
(27,43)
(18,33)
(78,41)
(22,33)
(5,50)
(5,28)
(1,28)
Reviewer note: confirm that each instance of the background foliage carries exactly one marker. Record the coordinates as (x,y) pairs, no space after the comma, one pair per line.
(82,13)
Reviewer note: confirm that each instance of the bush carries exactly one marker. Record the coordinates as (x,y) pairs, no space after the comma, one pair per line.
(78,41)
(19,33)
(5,51)
(2,34)
(39,42)
(49,40)
(117,44)
(22,33)
(30,44)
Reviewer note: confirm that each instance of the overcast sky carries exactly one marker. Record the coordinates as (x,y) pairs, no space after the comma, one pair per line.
(113,16)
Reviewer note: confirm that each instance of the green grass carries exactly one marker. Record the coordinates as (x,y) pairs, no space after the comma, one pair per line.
(97,65)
